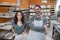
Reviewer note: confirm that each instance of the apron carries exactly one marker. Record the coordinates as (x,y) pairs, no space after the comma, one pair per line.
(21,37)
(38,23)
(34,35)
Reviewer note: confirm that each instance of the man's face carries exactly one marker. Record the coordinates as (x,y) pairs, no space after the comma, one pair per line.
(37,9)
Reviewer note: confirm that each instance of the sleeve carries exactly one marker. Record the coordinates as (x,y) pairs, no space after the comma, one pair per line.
(45,20)
(13,24)
(31,19)
(31,25)
(25,24)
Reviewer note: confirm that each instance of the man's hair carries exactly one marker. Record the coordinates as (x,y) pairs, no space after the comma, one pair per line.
(37,6)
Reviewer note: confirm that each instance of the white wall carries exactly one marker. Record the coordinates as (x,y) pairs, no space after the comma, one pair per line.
(57,6)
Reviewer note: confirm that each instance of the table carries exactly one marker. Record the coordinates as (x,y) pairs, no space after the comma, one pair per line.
(56,31)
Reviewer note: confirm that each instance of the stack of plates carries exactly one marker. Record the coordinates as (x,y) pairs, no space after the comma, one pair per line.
(2,24)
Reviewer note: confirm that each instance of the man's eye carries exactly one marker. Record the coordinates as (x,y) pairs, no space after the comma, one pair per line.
(36,9)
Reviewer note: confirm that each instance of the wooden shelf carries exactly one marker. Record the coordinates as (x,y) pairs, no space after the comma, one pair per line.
(3,5)
(4,35)
(6,16)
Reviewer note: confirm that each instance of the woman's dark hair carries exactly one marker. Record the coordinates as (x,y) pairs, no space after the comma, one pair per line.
(37,6)
(16,19)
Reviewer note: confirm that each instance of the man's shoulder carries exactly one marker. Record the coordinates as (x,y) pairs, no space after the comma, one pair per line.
(44,17)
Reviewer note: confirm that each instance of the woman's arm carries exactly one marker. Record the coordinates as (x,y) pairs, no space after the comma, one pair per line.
(13,30)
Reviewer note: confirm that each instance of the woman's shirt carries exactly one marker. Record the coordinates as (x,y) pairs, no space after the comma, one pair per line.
(19,29)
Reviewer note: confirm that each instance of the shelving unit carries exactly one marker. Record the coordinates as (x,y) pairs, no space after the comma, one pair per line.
(10,14)
(45,9)
(52,3)
(6,26)
(6,34)
(6,15)
(52,10)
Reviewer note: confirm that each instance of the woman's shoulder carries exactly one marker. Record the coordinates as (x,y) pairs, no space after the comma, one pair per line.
(13,24)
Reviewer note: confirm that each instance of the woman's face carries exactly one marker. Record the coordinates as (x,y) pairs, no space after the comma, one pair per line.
(19,16)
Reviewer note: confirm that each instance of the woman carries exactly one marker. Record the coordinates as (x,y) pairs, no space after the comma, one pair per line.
(19,26)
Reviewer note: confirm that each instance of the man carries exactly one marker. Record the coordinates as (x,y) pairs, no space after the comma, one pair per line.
(37,25)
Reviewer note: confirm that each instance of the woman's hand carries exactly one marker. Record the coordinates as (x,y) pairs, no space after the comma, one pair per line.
(13,31)
(14,34)
(24,33)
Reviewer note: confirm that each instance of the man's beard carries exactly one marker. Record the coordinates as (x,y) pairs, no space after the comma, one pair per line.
(38,13)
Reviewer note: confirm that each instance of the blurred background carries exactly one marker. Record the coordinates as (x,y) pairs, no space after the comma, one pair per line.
(49,8)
